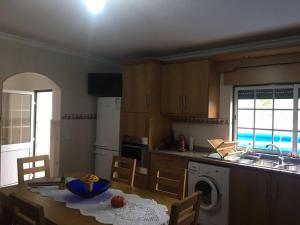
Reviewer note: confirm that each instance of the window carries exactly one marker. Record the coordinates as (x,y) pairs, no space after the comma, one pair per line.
(268,114)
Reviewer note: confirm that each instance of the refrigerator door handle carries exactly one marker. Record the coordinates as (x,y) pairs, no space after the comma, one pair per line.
(100,146)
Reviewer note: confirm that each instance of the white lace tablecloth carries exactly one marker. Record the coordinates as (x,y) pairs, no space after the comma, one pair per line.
(138,211)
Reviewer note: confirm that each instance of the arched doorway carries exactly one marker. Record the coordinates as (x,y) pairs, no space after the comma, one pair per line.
(31,106)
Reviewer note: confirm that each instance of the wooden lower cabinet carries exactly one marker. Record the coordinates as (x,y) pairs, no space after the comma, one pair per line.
(286,200)
(263,198)
(248,197)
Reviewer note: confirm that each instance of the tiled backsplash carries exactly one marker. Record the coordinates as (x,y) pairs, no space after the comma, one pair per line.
(200,120)
(79,116)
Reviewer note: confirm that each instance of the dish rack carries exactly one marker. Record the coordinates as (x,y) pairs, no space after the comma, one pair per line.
(224,148)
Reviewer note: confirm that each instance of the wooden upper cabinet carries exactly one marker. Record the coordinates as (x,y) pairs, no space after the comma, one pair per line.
(190,88)
(172,86)
(135,124)
(195,90)
(135,88)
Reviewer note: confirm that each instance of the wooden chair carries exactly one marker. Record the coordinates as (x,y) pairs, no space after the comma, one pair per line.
(34,169)
(186,211)
(123,170)
(170,181)
(26,212)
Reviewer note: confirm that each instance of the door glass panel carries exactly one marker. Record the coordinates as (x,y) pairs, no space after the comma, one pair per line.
(16,116)
(206,191)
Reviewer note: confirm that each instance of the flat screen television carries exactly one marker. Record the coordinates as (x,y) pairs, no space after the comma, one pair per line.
(105,84)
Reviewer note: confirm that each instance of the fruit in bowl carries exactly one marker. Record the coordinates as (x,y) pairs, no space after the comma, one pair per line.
(88,186)
(89,181)
(118,201)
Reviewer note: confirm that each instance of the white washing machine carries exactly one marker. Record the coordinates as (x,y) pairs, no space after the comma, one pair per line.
(213,182)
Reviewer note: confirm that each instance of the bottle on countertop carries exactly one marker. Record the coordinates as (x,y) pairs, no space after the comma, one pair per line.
(183,145)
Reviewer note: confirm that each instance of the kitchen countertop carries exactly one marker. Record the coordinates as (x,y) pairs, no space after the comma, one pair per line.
(202,158)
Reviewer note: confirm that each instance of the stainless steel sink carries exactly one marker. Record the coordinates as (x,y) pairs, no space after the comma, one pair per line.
(270,162)
(290,167)
(265,163)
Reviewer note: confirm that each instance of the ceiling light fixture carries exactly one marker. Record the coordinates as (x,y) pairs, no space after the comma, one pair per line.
(95,6)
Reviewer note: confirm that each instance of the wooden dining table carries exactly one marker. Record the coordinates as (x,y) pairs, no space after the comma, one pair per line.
(56,213)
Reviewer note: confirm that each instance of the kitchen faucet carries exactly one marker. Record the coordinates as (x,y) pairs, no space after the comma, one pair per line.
(280,157)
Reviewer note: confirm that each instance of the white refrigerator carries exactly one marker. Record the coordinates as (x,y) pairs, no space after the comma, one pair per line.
(107,135)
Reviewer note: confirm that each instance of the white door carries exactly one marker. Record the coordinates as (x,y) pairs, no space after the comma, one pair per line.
(108,123)
(103,162)
(16,138)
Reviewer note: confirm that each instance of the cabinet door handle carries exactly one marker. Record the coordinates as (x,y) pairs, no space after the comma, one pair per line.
(184,102)
(267,189)
(180,103)
(145,126)
(277,192)
(146,101)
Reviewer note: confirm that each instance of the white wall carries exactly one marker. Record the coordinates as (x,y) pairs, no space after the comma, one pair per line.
(202,132)
(69,72)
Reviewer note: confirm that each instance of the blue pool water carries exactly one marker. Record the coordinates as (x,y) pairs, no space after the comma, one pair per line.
(282,139)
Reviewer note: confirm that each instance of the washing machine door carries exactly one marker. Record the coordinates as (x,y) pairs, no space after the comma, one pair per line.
(210,193)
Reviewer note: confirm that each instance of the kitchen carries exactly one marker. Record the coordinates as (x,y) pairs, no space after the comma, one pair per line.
(165,105)
(167,86)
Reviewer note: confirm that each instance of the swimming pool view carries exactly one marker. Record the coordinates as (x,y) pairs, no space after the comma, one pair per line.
(282,139)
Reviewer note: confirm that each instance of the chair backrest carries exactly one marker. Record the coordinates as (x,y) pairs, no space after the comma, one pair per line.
(26,212)
(123,170)
(186,211)
(171,181)
(33,168)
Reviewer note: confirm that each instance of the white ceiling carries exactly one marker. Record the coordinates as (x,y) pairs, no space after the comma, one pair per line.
(139,28)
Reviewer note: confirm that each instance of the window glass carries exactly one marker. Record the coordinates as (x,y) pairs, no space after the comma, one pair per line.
(283,119)
(283,140)
(244,137)
(283,103)
(298,119)
(265,115)
(298,142)
(245,99)
(263,119)
(246,103)
(264,103)
(262,138)
(284,98)
(246,118)
(264,99)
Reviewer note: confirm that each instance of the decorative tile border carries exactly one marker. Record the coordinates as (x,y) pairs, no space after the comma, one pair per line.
(79,116)
(195,119)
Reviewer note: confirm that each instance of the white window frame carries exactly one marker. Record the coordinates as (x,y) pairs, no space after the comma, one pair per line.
(295,109)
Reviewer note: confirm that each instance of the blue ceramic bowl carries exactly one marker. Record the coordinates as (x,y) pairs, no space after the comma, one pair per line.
(78,187)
